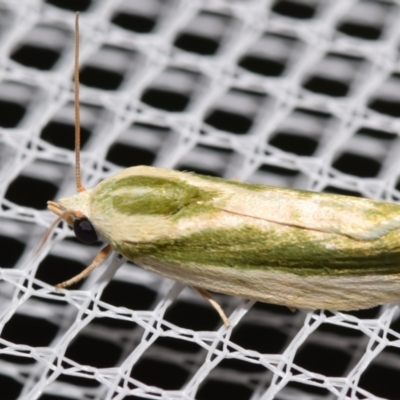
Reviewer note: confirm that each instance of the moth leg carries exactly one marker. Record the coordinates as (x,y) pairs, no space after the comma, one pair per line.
(292,309)
(95,263)
(216,306)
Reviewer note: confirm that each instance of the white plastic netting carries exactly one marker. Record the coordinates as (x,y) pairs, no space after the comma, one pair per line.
(298,93)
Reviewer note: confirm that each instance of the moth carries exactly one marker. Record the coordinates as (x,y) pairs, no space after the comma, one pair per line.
(276,245)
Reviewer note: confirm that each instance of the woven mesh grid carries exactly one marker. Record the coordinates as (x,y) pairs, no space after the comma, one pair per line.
(297,93)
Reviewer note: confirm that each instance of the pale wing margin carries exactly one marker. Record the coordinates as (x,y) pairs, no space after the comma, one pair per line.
(357,218)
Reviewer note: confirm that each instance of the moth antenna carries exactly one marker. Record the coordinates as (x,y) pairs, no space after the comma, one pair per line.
(51,228)
(79,186)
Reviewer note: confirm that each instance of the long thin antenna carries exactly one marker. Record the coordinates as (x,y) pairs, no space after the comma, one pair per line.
(79,186)
(51,229)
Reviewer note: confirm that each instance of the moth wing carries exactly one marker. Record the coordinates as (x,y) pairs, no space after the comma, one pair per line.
(357,218)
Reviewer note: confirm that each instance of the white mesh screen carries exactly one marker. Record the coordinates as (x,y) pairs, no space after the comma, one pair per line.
(297,93)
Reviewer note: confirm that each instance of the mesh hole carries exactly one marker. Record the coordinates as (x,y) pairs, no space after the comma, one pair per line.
(324,360)
(217,390)
(360,31)
(193,316)
(10,389)
(294,9)
(165,100)
(196,44)
(31,192)
(388,107)
(250,336)
(11,114)
(134,23)
(14,247)
(226,121)
(166,376)
(35,57)
(357,165)
(326,86)
(72,5)
(300,145)
(63,135)
(100,78)
(129,156)
(129,295)
(34,332)
(381,381)
(88,350)
(262,66)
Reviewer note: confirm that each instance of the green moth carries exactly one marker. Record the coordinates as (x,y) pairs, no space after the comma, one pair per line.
(275,245)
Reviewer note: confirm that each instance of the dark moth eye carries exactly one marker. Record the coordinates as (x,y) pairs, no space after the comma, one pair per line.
(84,231)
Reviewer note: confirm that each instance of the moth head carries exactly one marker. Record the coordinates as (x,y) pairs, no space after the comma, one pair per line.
(74,210)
